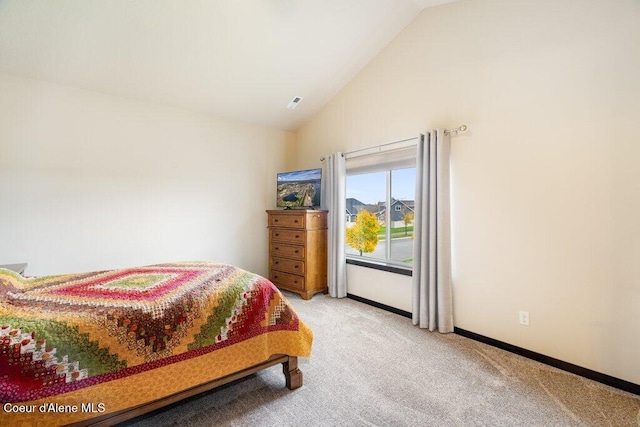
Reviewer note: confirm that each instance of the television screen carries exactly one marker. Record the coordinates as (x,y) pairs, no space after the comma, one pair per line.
(299,189)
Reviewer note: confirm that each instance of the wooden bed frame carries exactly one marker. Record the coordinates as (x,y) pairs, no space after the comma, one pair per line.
(292,374)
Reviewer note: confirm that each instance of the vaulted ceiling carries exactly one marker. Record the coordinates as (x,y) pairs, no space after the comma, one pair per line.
(240,59)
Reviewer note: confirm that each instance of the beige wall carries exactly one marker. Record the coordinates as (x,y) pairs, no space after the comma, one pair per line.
(546,183)
(90,181)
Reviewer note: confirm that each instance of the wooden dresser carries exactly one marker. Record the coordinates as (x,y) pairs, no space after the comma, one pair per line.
(298,250)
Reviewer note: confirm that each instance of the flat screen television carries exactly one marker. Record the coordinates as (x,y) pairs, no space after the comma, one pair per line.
(299,189)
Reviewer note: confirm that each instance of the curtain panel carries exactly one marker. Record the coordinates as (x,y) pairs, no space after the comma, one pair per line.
(334,200)
(432,290)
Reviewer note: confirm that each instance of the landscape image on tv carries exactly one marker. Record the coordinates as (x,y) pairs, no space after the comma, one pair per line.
(299,189)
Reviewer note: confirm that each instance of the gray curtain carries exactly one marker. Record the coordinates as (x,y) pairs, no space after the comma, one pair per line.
(333,200)
(432,292)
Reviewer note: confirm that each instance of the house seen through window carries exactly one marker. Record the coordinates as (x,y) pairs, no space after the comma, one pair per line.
(379,216)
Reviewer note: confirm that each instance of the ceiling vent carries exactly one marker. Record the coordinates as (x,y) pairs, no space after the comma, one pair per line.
(294,102)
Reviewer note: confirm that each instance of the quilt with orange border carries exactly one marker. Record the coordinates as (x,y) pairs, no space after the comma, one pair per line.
(80,337)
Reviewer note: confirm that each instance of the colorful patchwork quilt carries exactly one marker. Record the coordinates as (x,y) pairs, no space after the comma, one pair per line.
(70,334)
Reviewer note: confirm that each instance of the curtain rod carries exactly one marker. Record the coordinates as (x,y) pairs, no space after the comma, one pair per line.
(452,132)
(377,147)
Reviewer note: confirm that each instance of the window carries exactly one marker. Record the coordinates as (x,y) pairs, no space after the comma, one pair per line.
(380,194)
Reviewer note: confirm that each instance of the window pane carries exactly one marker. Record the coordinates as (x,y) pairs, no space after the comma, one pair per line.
(365,199)
(366,215)
(403,190)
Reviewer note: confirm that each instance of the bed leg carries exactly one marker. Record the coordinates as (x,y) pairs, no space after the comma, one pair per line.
(292,374)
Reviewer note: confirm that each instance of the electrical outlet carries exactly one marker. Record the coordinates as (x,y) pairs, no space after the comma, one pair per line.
(524,318)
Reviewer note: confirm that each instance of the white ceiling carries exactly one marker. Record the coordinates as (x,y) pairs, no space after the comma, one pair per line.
(239,59)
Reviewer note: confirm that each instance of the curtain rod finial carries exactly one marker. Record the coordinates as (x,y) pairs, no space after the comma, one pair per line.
(457,130)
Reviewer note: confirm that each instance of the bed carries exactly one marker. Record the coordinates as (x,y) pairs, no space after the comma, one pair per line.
(103,347)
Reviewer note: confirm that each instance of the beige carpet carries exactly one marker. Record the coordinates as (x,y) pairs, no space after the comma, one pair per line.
(373,368)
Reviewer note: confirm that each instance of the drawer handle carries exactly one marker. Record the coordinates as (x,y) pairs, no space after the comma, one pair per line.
(296,221)
(295,266)
(277,234)
(277,262)
(297,236)
(275,277)
(297,251)
(276,248)
(275,220)
(295,281)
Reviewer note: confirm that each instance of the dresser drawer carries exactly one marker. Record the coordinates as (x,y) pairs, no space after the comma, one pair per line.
(287,220)
(295,266)
(283,235)
(286,280)
(286,250)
